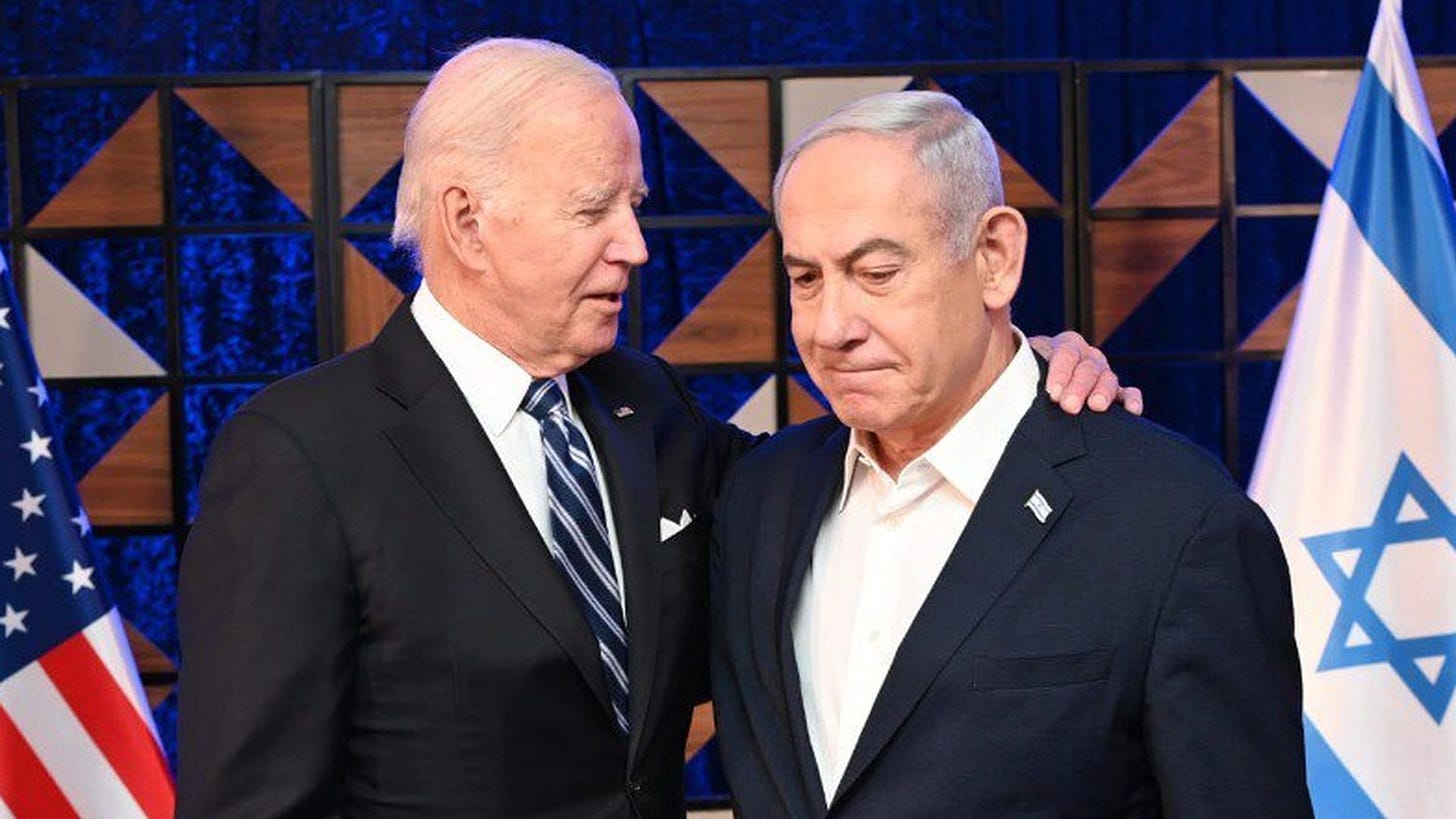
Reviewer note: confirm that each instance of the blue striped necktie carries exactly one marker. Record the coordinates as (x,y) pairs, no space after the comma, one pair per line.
(579,540)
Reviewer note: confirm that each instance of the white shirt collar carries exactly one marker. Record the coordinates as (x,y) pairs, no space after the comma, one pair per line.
(968,452)
(493,383)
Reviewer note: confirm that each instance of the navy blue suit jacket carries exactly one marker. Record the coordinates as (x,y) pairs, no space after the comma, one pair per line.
(373,625)
(1133,655)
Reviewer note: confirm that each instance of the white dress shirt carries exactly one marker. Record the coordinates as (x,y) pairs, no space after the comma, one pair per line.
(879,552)
(494,387)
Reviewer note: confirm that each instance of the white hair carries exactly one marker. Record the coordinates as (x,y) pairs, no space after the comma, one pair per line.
(467,117)
(950,145)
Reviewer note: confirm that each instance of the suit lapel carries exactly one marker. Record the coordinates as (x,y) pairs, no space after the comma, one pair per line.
(1000,537)
(441,441)
(819,486)
(628,458)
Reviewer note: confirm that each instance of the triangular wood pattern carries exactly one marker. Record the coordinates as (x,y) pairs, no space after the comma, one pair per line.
(700,730)
(1180,167)
(728,119)
(735,321)
(1439,83)
(371,136)
(120,185)
(803,406)
(1132,257)
(157,694)
(269,126)
(369,298)
(1272,334)
(1020,187)
(132,484)
(150,660)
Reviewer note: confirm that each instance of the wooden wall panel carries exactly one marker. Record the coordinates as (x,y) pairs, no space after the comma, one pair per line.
(803,406)
(269,126)
(1019,186)
(729,119)
(132,484)
(371,136)
(735,322)
(1272,334)
(1180,167)
(1130,258)
(700,730)
(369,298)
(1439,83)
(120,186)
(150,660)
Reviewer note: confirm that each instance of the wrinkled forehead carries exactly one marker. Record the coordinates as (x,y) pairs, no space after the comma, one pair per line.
(850,169)
(853,160)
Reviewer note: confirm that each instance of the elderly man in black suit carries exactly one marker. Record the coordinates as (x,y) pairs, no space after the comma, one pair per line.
(954,600)
(432,577)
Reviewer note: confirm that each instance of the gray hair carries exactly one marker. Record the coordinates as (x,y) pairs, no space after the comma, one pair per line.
(465,134)
(950,144)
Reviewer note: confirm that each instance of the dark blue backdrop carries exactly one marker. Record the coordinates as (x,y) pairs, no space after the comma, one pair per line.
(154,36)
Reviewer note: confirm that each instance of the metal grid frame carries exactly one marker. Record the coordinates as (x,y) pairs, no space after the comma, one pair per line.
(328,229)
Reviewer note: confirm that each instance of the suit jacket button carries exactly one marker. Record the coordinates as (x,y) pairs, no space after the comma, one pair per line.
(634,785)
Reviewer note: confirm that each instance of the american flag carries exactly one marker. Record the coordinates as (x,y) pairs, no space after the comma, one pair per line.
(76,735)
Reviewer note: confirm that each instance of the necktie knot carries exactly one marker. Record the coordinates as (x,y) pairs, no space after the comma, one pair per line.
(543,398)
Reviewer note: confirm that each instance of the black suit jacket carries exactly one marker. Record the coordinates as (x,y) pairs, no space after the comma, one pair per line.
(372,625)
(1131,656)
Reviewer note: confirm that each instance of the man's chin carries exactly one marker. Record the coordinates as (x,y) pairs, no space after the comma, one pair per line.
(859,412)
(596,343)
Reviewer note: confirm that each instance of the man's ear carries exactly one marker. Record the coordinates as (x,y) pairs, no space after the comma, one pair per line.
(462,223)
(999,254)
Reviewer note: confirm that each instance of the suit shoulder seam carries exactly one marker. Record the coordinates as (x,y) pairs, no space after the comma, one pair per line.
(1217,501)
(314,471)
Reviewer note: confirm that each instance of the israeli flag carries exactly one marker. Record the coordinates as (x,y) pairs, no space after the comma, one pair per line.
(1357,467)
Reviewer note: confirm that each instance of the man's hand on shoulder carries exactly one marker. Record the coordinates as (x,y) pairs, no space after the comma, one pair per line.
(1078,374)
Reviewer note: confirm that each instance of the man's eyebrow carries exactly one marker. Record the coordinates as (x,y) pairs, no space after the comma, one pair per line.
(876,245)
(595,197)
(600,197)
(865,248)
(790,260)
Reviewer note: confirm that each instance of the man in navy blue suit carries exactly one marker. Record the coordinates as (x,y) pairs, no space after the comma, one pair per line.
(432,576)
(954,599)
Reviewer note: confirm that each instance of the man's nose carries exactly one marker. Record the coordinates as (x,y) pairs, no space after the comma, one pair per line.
(628,247)
(840,322)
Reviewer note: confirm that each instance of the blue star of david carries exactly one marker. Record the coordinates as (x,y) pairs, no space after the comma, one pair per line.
(1355,610)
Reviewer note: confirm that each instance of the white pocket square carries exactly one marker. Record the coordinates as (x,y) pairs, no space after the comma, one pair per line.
(669,527)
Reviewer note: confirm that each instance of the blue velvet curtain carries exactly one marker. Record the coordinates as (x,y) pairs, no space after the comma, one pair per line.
(154,36)
(131,37)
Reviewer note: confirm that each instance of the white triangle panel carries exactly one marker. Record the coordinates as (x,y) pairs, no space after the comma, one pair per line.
(71,336)
(807,100)
(760,412)
(1311,105)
